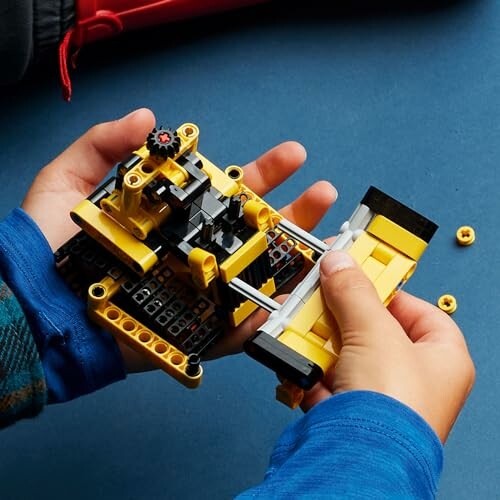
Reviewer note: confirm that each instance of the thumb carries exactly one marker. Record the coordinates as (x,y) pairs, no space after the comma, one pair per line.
(350,296)
(95,152)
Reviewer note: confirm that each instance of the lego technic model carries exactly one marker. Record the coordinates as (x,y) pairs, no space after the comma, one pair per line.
(173,251)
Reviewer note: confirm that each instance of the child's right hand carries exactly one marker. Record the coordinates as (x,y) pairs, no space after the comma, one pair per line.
(412,352)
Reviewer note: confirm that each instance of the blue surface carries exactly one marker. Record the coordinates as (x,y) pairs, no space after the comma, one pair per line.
(406,99)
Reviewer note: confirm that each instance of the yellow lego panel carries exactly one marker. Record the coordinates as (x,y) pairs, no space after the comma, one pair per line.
(396,236)
(248,307)
(115,238)
(363,247)
(138,177)
(315,339)
(372,268)
(385,266)
(228,187)
(316,324)
(303,322)
(128,206)
(323,358)
(326,328)
(383,253)
(395,274)
(131,332)
(237,262)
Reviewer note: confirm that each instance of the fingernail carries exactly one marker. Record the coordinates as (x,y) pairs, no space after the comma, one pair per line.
(335,261)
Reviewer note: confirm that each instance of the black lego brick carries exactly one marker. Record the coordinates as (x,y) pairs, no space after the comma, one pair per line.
(204,336)
(285,260)
(284,361)
(210,206)
(402,215)
(228,243)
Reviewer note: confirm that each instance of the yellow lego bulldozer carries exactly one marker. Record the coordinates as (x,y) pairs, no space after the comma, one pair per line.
(173,251)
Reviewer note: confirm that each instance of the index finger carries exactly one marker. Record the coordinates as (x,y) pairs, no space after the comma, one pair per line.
(274,167)
(92,155)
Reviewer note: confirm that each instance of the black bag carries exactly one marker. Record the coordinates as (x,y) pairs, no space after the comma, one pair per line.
(28,30)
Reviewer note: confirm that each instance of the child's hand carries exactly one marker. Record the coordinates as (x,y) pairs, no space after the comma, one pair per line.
(412,352)
(75,174)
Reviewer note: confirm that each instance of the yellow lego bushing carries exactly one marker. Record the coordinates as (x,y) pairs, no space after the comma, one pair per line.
(466,236)
(447,303)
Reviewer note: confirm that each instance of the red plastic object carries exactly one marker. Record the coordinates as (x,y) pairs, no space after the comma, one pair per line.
(98,19)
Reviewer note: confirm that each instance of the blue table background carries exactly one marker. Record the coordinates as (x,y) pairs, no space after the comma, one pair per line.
(405,98)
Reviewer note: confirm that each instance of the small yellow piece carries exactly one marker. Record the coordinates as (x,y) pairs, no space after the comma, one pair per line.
(466,236)
(235,173)
(447,303)
(258,215)
(289,394)
(203,267)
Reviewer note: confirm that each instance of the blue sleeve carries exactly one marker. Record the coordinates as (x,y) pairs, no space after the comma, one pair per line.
(77,356)
(354,445)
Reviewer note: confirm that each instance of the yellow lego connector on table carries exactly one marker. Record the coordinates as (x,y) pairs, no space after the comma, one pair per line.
(465,236)
(447,303)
